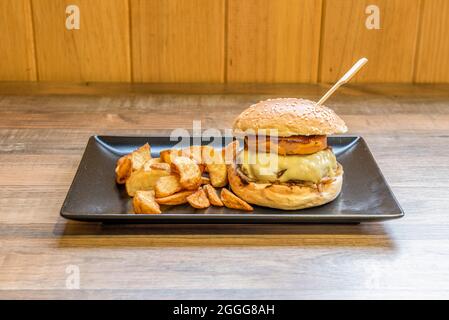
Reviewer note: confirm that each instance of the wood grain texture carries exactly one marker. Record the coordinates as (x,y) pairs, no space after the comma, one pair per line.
(98,51)
(390,50)
(273,40)
(432,61)
(17,58)
(177,40)
(263,41)
(43,133)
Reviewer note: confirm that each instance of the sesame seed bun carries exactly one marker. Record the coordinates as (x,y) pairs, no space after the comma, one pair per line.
(289,117)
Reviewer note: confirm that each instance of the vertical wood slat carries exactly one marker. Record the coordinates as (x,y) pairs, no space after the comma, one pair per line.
(98,51)
(17,58)
(390,50)
(273,40)
(267,41)
(178,40)
(432,65)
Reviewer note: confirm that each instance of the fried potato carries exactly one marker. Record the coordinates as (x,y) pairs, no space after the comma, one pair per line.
(123,169)
(211,155)
(160,166)
(230,200)
(218,174)
(194,153)
(175,199)
(189,172)
(207,153)
(144,202)
(140,156)
(168,155)
(199,199)
(143,180)
(215,166)
(166,186)
(230,151)
(148,163)
(213,196)
(205,180)
(132,162)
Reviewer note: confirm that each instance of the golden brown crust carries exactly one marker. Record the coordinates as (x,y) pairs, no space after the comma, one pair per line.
(213,196)
(144,202)
(199,199)
(123,169)
(286,197)
(231,201)
(289,117)
(175,199)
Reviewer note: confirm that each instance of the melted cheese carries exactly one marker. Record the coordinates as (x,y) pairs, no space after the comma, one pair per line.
(271,167)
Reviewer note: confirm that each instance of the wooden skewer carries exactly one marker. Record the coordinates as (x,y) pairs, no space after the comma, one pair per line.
(348,75)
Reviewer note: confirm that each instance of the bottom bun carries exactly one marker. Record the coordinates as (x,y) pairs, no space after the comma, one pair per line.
(285,197)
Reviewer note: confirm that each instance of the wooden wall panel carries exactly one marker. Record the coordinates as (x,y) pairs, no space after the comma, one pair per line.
(390,50)
(433,51)
(273,40)
(99,51)
(16,41)
(178,40)
(223,40)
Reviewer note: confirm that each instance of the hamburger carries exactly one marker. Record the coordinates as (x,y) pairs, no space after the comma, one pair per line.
(286,162)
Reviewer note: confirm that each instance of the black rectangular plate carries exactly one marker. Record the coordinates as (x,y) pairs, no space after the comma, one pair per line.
(94,195)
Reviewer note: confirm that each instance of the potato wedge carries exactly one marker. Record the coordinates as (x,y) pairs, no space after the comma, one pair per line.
(123,169)
(189,172)
(210,155)
(175,199)
(218,174)
(230,151)
(199,199)
(160,166)
(215,166)
(230,200)
(213,196)
(205,180)
(207,154)
(144,202)
(194,153)
(140,156)
(152,161)
(166,186)
(143,180)
(168,155)
(132,162)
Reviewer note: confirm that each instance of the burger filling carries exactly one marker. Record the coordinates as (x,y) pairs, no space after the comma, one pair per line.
(275,168)
(293,145)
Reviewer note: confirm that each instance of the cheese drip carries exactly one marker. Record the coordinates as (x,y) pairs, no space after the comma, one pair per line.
(271,167)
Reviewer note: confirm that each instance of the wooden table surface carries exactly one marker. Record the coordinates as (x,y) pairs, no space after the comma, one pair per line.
(44,129)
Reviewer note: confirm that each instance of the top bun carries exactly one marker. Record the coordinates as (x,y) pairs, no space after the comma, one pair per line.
(290,117)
